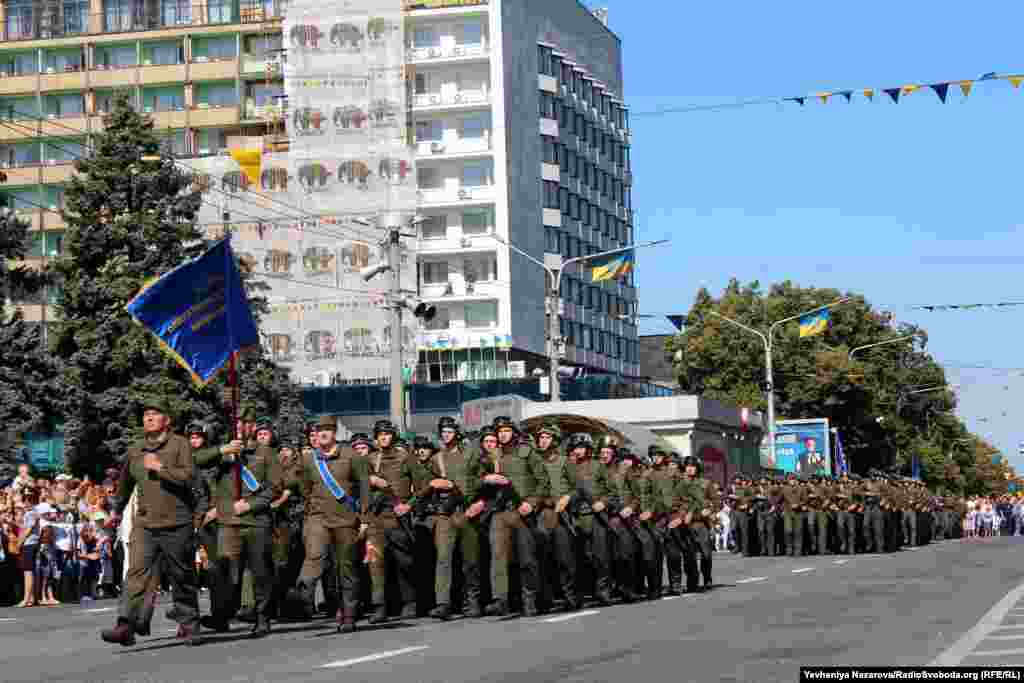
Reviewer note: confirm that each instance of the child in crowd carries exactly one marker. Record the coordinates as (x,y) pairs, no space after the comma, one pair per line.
(47,567)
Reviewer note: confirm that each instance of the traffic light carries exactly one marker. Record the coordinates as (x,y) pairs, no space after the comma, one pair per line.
(425,311)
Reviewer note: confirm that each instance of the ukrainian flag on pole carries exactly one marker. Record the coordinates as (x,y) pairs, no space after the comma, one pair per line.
(814,323)
(612,267)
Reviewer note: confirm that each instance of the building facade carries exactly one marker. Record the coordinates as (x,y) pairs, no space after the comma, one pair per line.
(518,127)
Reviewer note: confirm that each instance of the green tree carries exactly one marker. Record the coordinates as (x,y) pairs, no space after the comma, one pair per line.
(871,399)
(31,391)
(131,216)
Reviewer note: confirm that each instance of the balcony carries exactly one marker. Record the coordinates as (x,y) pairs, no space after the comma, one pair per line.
(465,99)
(445,6)
(103,76)
(262,112)
(459,290)
(63,126)
(257,64)
(162,73)
(57,172)
(454,149)
(10,85)
(212,70)
(68,79)
(177,118)
(203,116)
(442,55)
(37,24)
(439,197)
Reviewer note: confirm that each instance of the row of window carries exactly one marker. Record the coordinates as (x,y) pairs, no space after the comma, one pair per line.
(474,268)
(591,175)
(473,222)
(589,214)
(132,54)
(473,314)
(595,298)
(576,82)
(466,33)
(600,341)
(571,123)
(28,19)
(475,173)
(472,127)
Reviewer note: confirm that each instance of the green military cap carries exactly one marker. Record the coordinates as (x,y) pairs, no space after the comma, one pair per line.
(248,413)
(157,403)
(327,422)
(552,429)
(424,442)
(264,423)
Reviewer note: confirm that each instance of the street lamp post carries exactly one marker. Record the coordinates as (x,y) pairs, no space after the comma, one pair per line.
(768,341)
(554,336)
(888,341)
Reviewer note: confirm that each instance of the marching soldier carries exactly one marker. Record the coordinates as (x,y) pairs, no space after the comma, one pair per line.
(286,533)
(334,483)
(662,483)
(824,514)
(519,482)
(911,504)
(700,499)
(389,537)
(874,524)
(594,540)
(558,567)
(648,562)
(245,484)
(204,455)
(455,460)
(744,501)
(765,516)
(792,516)
(162,466)
(846,502)
(623,503)
(419,474)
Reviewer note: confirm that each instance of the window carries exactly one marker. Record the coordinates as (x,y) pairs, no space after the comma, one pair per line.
(64,150)
(176,12)
(19,154)
(57,61)
(581,127)
(482,314)
(471,33)
(429,131)
(588,339)
(262,46)
(216,94)
(550,193)
(20,20)
(49,244)
(435,272)
(115,56)
(209,49)
(550,240)
(64,105)
(264,95)
(477,174)
(434,228)
(563,158)
(163,53)
(547,105)
(480,268)
(544,60)
(105,100)
(211,141)
(422,84)
(477,222)
(549,149)
(426,37)
(428,178)
(442,321)
(174,141)
(21,199)
(474,127)
(163,99)
(19,63)
(223,12)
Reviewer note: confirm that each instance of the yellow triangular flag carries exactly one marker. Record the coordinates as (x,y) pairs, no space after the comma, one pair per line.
(869,93)
(907,89)
(250,161)
(1015,80)
(965,87)
(823,96)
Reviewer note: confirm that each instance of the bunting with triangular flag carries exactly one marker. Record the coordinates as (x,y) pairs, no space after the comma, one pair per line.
(965,87)
(869,93)
(894,93)
(940,89)
(1015,80)
(908,89)
(848,94)
(823,96)
(799,100)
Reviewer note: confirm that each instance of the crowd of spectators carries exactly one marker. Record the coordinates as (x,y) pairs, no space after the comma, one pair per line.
(987,517)
(58,540)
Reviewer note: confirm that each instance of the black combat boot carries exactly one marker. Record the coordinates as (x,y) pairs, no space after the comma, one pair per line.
(261,628)
(122,634)
(471,606)
(215,624)
(442,612)
(498,608)
(189,634)
(603,591)
(529,603)
(247,616)
(347,620)
(409,610)
(380,614)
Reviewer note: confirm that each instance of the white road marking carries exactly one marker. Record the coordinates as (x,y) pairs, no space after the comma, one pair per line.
(997,653)
(97,611)
(803,570)
(1020,637)
(9,619)
(1010,627)
(752,579)
(373,658)
(671,597)
(840,561)
(987,624)
(567,617)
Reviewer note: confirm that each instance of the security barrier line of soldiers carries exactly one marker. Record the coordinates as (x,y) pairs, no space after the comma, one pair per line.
(505,521)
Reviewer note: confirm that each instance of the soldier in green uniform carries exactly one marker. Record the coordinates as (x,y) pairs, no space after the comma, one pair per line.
(457,532)
(161,464)
(623,506)
(556,547)
(846,500)
(764,517)
(701,501)
(519,481)
(825,513)
(792,516)
(743,502)
(651,546)
(286,531)
(418,475)
(874,524)
(661,504)
(243,487)
(203,456)
(593,537)
(647,567)
(335,486)
(389,539)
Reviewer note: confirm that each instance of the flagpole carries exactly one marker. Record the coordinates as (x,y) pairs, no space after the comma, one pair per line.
(233,368)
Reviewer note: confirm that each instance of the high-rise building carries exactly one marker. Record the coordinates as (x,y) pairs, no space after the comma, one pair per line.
(515,112)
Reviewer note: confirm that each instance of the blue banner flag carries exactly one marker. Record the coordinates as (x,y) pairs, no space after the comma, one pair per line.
(841,464)
(815,323)
(915,467)
(199,312)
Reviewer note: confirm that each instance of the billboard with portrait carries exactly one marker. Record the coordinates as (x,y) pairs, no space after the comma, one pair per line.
(802,447)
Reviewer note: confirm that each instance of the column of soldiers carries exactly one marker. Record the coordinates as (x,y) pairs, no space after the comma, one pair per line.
(798,516)
(392,529)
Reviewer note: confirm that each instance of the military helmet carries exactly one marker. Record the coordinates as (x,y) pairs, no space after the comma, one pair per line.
(485,432)
(424,442)
(447,422)
(626,453)
(608,441)
(384,427)
(361,438)
(157,403)
(248,413)
(581,439)
(654,449)
(264,423)
(554,430)
(504,422)
(691,460)
(197,428)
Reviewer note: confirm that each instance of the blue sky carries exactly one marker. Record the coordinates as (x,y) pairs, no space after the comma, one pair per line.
(916,203)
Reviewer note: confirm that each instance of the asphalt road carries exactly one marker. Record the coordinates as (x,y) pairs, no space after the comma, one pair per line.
(950,603)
